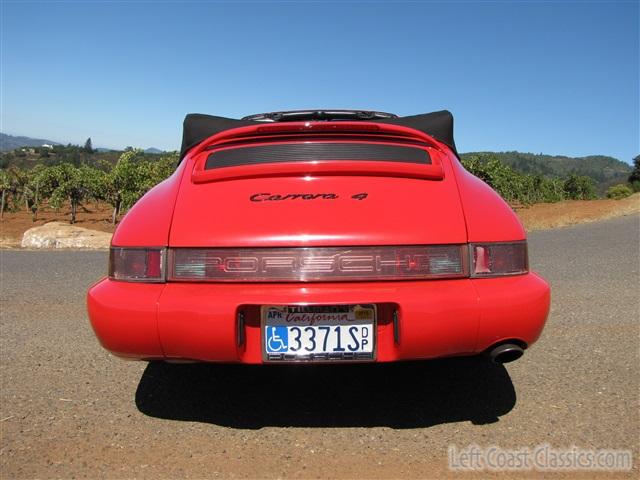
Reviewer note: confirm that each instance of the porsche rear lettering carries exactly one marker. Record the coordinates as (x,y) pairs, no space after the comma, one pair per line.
(320,264)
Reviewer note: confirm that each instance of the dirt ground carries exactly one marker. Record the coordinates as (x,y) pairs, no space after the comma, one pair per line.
(543,216)
(14,224)
(536,217)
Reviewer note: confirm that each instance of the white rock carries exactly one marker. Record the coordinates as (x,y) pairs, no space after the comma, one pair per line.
(64,235)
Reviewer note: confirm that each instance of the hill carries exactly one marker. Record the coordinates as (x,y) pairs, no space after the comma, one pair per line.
(30,157)
(10,142)
(606,171)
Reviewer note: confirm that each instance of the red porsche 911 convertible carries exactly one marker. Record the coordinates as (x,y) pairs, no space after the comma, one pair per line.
(319,236)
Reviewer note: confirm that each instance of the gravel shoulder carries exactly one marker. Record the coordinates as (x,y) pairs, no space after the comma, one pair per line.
(69,409)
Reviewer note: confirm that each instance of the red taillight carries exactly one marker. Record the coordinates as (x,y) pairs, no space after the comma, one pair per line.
(322,264)
(137,264)
(495,259)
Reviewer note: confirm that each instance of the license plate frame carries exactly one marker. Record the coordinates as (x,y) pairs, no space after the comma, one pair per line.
(347,357)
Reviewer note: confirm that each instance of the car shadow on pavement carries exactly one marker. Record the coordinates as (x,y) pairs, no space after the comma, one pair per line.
(398,395)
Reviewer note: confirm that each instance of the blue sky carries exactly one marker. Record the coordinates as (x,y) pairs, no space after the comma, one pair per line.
(551,77)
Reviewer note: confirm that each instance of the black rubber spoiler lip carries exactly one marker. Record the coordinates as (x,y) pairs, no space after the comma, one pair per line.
(198,127)
(313,115)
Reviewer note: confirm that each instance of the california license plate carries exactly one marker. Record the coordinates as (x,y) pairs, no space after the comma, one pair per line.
(318,332)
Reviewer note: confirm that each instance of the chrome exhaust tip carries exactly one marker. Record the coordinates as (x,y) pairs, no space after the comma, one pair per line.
(505,353)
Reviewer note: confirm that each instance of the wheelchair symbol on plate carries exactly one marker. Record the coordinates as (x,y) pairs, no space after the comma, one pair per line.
(277,339)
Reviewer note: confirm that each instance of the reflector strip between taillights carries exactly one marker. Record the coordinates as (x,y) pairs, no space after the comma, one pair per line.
(318,264)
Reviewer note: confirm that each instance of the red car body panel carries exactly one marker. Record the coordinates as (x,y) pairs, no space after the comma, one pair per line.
(198,321)
(148,222)
(488,217)
(226,216)
(125,317)
(405,204)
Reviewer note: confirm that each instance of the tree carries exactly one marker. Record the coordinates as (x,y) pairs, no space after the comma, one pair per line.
(511,185)
(635,174)
(132,177)
(87,146)
(18,180)
(5,186)
(580,187)
(32,191)
(620,191)
(634,178)
(122,183)
(162,168)
(66,182)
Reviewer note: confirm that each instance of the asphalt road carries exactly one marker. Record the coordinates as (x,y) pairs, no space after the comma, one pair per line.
(68,409)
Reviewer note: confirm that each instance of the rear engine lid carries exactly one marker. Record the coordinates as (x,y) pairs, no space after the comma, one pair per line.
(317,211)
(318,192)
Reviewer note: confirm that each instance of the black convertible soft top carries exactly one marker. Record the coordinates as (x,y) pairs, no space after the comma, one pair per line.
(198,127)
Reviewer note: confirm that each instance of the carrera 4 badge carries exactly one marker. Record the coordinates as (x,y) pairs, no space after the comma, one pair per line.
(276,197)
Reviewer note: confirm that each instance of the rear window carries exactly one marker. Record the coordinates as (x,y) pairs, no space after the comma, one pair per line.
(308,152)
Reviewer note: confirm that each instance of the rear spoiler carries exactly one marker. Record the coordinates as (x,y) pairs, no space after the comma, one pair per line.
(198,127)
(390,150)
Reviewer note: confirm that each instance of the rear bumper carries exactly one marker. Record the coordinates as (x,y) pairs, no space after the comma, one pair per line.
(200,321)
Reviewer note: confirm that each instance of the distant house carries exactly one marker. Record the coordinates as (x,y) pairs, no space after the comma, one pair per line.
(46,145)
